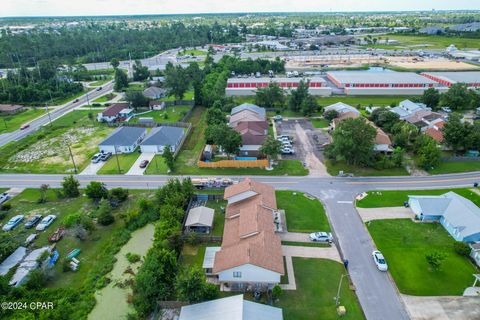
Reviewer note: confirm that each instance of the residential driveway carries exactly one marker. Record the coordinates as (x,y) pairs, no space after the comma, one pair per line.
(135,170)
(385,213)
(13,192)
(93,168)
(312,252)
(294,237)
(442,308)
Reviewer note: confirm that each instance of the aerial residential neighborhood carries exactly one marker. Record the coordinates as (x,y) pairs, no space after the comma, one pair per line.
(198,160)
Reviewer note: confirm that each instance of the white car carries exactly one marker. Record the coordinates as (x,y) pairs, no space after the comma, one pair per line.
(13,222)
(379,260)
(286,150)
(4,197)
(48,220)
(321,237)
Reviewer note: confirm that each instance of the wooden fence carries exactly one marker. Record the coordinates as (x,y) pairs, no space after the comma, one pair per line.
(234,164)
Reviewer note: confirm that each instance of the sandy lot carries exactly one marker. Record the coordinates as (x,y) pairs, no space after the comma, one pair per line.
(429,64)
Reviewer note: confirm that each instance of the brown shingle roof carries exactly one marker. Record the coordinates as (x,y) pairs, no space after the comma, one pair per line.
(435,134)
(252,132)
(115,109)
(245,115)
(10,107)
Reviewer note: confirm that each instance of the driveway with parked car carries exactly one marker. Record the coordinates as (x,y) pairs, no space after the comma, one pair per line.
(141,164)
(98,160)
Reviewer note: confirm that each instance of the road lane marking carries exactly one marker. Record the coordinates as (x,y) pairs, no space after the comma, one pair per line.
(345,202)
(414,181)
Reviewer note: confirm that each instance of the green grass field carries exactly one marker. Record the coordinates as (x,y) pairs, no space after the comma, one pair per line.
(396,198)
(193,52)
(192,255)
(9,123)
(334,168)
(188,96)
(317,283)
(305,244)
(99,82)
(302,214)
(405,243)
(219,217)
(135,87)
(170,114)
(105,98)
(456,167)
(320,123)
(430,42)
(125,161)
(62,101)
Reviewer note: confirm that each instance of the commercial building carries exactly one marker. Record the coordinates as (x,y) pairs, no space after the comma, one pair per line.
(10,108)
(470,78)
(123,140)
(248,86)
(250,258)
(381,83)
(160,137)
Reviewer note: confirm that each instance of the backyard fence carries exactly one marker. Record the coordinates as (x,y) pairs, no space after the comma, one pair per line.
(459,159)
(234,164)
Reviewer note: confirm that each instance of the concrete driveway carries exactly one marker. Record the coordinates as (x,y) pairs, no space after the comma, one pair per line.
(135,170)
(295,237)
(442,308)
(385,213)
(93,168)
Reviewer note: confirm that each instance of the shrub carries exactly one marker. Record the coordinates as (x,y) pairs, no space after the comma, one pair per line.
(435,260)
(104,213)
(462,248)
(276,292)
(132,257)
(6,206)
(119,194)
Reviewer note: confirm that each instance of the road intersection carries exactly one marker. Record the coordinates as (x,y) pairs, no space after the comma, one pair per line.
(377,294)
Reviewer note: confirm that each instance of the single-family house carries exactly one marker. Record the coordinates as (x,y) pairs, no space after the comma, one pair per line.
(115,113)
(247,112)
(11,108)
(251,107)
(123,140)
(230,308)
(458,215)
(250,258)
(407,108)
(28,264)
(160,137)
(253,134)
(200,219)
(154,93)
(341,107)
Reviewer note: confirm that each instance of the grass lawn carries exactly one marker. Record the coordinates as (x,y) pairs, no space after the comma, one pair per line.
(192,255)
(396,198)
(317,284)
(302,213)
(9,123)
(62,101)
(320,123)
(405,243)
(45,151)
(157,166)
(456,167)
(363,101)
(26,203)
(135,87)
(125,161)
(188,96)
(99,82)
(170,114)
(105,98)
(433,41)
(335,168)
(193,52)
(219,217)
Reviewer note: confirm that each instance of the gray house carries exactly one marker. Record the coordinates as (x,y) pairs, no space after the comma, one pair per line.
(123,140)
(459,216)
(160,137)
(200,219)
(154,93)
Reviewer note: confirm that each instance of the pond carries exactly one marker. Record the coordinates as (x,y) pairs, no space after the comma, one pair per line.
(112,300)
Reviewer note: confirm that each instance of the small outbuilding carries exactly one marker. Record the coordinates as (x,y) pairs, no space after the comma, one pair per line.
(200,219)
(123,140)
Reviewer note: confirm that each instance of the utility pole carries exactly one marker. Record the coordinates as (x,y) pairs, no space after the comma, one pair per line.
(116,156)
(5,122)
(337,298)
(48,113)
(71,155)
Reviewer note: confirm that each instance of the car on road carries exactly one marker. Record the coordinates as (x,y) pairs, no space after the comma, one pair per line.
(4,197)
(287,150)
(144,164)
(105,156)
(321,237)
(13,222)
(379,260)
(48,220)
(75,101)
(33,220)
(99,88)
(25,126)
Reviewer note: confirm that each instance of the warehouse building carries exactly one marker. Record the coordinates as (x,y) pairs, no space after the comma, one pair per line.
(381,83)
(470,78)
(248,86)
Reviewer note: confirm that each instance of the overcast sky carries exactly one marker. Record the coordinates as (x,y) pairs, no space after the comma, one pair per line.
(127,7)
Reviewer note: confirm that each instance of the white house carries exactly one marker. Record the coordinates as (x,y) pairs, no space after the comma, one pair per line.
(123,140)
(116,112)
(407,108)
(341,107)
(160,137)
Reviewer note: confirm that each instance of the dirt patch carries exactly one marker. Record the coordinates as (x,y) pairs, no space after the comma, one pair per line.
(429,64)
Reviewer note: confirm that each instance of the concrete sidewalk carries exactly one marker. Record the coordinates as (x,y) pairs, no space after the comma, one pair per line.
(442,308)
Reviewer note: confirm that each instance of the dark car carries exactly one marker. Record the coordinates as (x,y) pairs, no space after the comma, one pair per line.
(25,126)
(32,221)
(144,164)
(75,101)
(105,156)
(99,88)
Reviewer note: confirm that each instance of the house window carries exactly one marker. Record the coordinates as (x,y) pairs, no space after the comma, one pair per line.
(237,274)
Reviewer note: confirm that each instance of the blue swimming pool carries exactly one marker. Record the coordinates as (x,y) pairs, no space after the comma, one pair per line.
(245,158)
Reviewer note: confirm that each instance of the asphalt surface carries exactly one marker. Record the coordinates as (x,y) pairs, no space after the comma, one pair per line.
(376,292)
(52,115)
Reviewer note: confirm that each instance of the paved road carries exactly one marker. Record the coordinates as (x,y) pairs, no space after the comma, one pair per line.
(58,112)
(376,292)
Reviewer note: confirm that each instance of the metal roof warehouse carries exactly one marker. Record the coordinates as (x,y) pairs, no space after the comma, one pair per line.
(470,78)
(248,86)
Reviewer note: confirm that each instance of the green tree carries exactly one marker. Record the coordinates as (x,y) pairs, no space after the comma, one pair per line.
(455,132)
(70,187)
(121,80)
(431,97)
(231,141)
(353,142)
(330,115)
(114,63)
(215,116)
(462,248)
(270,97)
(271,148)
(309,105)
(140,72)
(384,118)
(96,191)
(429,154)
(43,193)
(435,260)
(192,286)
(136,99)
(104,213)
(458,97)
(276,292)
(298,96)
(176,81)
(169,158)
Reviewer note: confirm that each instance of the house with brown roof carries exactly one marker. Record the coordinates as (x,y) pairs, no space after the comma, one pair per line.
(245,115)
(250,257)
(253,134)
(115,113)
(11,108)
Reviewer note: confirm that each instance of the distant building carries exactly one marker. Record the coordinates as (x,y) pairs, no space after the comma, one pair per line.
(123,140)
(469,78)
(248,86)
(11,108)
(407,108)
(341,107)
(466,27)
(432,30)
(154,93)
(160,137)
(115,113)
(245,113)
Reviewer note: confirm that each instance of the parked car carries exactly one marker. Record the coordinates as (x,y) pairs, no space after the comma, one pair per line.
(446,109)
(379,260)
(278,118)
(13,222)
(96,158)
(321,237)
(144,164)
(25,126)
(4,197)
(48,220)
(105,156)
(99,88)
(287,150)
(33,221)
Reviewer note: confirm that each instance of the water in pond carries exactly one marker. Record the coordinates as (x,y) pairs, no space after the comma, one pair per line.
(112,300)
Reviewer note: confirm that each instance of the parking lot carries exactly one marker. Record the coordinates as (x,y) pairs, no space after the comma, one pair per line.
(307,143)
